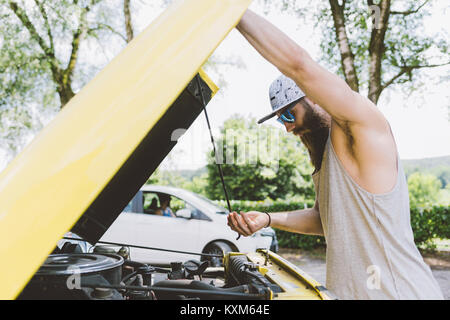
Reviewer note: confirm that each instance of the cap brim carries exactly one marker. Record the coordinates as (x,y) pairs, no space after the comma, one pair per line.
(271,115)
(266,118)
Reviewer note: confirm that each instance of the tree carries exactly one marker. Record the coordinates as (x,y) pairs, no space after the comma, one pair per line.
(259,162)
(42,60)
(167,178)
(41,65)
(198,184)
(423,189)
(45,23)
(443,174)
(391,52)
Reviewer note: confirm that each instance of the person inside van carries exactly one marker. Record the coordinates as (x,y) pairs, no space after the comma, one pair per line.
(164,209)
(152,208)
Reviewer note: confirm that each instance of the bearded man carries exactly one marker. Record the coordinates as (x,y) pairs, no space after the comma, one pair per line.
(362,200)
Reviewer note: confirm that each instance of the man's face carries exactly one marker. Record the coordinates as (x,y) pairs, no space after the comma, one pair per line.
(307,119)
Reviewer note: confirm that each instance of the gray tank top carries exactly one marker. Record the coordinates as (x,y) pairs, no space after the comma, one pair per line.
(370,246)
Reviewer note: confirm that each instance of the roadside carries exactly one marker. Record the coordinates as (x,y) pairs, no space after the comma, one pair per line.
(313,263)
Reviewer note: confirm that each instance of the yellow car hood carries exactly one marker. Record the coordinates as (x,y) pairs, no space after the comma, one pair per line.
(84,167)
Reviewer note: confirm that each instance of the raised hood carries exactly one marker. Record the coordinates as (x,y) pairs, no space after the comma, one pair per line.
(144,159)
(83,168)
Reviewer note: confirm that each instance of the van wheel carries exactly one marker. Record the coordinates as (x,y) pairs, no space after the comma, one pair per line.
(217,248)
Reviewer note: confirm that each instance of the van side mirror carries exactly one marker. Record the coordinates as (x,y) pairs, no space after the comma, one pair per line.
(184,213)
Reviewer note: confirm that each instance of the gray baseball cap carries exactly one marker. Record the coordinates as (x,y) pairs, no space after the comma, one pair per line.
(282,92)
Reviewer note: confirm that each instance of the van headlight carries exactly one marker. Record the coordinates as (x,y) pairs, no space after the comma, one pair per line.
(269,232)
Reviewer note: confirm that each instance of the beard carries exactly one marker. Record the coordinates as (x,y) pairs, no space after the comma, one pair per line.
(317,128)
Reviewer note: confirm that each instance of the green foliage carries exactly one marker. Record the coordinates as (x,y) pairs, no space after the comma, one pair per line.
(406,43)
(198,184)
(423,189)
(438,166)
(25,85)
(167,178)
(430,223)
(41,64)
(259,162)
(443,174)
(444,196)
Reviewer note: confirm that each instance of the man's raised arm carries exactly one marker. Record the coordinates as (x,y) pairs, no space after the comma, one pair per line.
(323,87)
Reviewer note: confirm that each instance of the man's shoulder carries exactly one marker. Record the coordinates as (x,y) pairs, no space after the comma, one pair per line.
(358,140)
(369,155)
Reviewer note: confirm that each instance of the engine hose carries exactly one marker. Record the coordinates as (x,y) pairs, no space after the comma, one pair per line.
(198,285)
(239,272)
(207,294)
(134,264)
(255,276)
(237,264)
(128,277)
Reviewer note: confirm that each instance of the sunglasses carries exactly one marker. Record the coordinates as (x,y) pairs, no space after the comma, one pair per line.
(287,116)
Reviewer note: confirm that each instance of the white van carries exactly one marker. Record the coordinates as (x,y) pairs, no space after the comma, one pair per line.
(199,226)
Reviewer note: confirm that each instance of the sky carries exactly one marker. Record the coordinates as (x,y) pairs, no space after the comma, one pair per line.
(421,125)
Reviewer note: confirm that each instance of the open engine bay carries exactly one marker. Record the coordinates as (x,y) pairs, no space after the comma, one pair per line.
(108,273)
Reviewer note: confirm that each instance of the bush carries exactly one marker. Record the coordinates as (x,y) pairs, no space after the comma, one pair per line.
(427,223)
(430,223)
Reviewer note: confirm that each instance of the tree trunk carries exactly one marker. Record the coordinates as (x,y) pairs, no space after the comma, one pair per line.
(347,57)
(128,22)
(376,51)
(65,94)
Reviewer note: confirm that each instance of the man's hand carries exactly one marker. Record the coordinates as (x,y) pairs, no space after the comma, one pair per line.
(247,223)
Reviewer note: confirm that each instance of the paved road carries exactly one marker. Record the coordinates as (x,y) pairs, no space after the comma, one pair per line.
(443,278)
(316,268)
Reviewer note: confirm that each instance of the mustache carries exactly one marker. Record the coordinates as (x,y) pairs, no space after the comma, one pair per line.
(297,131)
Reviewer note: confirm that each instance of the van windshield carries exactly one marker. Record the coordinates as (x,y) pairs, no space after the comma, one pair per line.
(215,207)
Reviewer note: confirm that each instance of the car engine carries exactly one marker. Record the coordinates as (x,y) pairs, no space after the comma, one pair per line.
(109,274)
